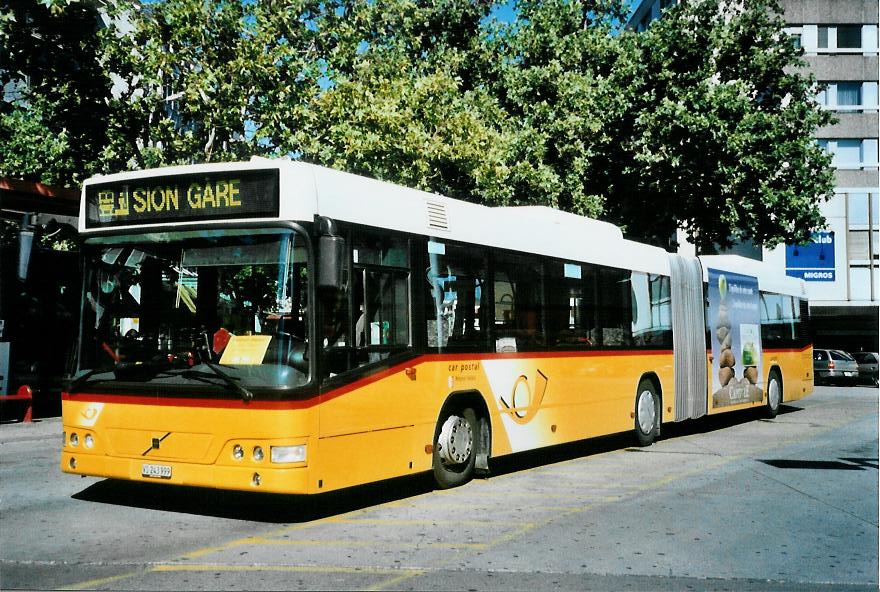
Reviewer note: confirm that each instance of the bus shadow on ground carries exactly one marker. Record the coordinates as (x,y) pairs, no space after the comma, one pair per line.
(626,440)
(285,509)
(252,506)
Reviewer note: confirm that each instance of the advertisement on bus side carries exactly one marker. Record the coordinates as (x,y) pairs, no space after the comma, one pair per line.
(735,326)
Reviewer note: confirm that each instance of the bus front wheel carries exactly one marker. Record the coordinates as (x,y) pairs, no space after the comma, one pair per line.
(647,413)
(455,447)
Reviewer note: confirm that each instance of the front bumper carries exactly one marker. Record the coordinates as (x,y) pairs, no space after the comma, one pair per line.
(269,479)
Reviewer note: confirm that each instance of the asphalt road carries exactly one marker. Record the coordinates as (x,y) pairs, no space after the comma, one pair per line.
(727,503)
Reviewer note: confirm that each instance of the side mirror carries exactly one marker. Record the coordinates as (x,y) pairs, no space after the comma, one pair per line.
(331,256)
(25,245)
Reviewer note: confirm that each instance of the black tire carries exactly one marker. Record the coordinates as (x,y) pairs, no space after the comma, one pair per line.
(452,474)
(647,413)
(774,398)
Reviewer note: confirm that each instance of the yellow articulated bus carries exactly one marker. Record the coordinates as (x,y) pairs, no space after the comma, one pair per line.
(276,326)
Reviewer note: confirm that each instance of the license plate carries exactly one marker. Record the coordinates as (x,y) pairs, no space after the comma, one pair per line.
(848,373)
(156,471)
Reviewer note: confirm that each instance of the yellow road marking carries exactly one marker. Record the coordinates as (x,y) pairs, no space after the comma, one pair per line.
(197,567)
(356,543)
(92,584)
(396,580)
(395,522)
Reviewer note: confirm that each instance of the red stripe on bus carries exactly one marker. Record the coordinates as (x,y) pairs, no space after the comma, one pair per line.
(187,402)
(786,350)
(346,388)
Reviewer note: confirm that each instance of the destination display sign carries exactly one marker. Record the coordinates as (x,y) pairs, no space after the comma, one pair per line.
(180,198)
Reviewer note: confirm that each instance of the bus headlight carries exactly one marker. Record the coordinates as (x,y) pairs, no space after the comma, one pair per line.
(288,454)
(237,452)
(89,441)
(258,453)
(74,439)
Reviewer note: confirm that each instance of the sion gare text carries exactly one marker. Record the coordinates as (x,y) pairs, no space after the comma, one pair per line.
(219,194)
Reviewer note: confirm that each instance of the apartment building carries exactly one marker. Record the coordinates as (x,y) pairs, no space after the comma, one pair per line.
(840,43)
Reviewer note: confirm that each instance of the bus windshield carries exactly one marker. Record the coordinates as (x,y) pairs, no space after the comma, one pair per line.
(203,309)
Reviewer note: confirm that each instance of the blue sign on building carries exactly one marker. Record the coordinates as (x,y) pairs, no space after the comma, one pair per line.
(813,262)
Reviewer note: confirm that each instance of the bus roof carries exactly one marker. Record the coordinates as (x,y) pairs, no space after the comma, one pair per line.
(769,278)
(308,190)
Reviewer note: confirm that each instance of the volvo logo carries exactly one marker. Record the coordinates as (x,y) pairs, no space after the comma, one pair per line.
(155,443)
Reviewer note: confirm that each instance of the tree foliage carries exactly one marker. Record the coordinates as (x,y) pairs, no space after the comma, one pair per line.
(404,101)
(52,121)
(721,141)
(207,81)
(704,121)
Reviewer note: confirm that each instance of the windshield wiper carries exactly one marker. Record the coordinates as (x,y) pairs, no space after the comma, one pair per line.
(75,383)
(246,395)
(149,370)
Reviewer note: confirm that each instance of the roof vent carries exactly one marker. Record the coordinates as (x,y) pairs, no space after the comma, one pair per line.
(437,218)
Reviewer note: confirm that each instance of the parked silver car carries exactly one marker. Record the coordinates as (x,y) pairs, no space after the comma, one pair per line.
(834,365)
(867,366)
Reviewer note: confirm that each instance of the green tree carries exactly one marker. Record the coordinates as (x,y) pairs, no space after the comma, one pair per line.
(53,118)
(719,137)
(208,81)
(403,99)
(556,81)
(703,122)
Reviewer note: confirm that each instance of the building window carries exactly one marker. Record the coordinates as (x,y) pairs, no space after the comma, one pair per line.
(796,35)
(863,245)
(849,36)
(848,153)
(860,283)
(875,209)
(823,37)
(848,96)
(851,154)
(858,209)
(840,38)
(849,93)
(858,244)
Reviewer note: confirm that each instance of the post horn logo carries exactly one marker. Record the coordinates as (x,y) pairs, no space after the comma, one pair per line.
(524,401)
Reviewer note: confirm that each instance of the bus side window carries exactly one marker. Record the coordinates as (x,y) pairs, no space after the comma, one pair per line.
(457,297)
(518,283)
(368,320)
(571,305)
(615,307)
(651,310)
(380,297)
(779,320)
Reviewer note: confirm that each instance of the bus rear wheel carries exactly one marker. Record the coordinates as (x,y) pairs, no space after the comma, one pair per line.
(647,413)
(455,447)
(774,394)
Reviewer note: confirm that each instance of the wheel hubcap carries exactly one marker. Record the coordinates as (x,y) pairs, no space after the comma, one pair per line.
(456,440)
(773,393)
(646,412)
